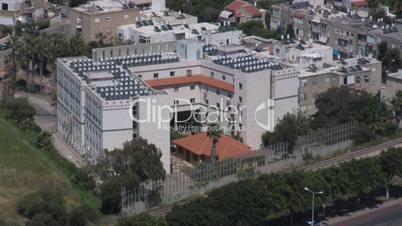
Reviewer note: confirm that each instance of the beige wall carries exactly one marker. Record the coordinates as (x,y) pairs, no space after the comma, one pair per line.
(101,22)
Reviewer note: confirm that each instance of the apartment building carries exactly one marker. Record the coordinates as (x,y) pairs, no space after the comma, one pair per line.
(357,73)
(350,34)
(220,78)
(101,18)
(94,102)
(21,10)
(153,32)
(393,84)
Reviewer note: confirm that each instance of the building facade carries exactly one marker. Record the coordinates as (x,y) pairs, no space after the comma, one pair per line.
(100,19)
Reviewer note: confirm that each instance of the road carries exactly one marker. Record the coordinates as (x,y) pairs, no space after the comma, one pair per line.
(388,214)
(46,119)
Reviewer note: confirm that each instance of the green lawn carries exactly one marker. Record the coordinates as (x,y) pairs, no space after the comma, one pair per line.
(25,169)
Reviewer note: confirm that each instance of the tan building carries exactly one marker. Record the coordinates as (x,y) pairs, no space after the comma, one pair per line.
(12,11)
(101,17)
(356,73)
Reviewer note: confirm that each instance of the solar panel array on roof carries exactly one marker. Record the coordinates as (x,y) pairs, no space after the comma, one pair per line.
(388,30)
(124,85)
(211,50)
(146,59)
(226,28)
(247,63)
(124,88)
(362,61)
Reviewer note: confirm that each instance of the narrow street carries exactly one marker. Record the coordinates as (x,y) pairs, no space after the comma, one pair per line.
(46,119)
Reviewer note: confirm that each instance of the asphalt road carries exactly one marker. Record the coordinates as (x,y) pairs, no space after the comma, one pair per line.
(389,216)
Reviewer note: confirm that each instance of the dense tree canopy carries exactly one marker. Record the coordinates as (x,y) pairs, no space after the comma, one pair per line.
(135,162)
(268,197)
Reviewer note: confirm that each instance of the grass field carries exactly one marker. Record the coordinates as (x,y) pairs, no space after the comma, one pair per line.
(25,169)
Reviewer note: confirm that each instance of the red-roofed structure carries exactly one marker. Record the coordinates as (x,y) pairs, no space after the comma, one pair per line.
(195,148)
(360,3)
(194,79)
(243,11)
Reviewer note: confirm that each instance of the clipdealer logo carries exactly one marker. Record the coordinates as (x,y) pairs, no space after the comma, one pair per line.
(161,115)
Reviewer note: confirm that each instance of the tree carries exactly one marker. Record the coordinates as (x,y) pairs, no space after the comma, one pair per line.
(343,105)
(214,132)
(382,50)
(141,219)
(391,61)
(110,192)
(397,106)
(254,27)
(20,111)
(286,130)
(137,157)
(137,161)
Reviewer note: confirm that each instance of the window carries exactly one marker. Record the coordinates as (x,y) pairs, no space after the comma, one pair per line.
(4,6)
(223,77)
(172,73)
(218,91)
(212,74)
(192,87)
(108,18)
(366,78)
(240,86)
(188,72)
(240,99)
(176,102)
(97,20)
(218,105)
(176,89)
(192,100)
(156,75)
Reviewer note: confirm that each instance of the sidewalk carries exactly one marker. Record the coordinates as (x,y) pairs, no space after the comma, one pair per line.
(364,212)
(46,119)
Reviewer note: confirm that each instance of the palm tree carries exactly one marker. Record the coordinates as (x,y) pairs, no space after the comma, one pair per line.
(214,132)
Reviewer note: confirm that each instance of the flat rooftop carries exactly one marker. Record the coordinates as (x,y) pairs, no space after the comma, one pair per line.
(122,84)
(101,6)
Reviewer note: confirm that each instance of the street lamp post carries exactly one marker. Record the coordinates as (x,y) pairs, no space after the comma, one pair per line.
(313,202)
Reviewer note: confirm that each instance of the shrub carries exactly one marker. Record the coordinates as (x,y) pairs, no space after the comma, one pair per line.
(83,179)
(44,140)
(363,134)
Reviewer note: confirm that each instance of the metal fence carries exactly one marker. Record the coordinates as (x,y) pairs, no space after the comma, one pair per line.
(207,176)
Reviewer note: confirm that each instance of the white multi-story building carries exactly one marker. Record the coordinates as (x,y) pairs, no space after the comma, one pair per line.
(262,91)
(94,102)
(147,31)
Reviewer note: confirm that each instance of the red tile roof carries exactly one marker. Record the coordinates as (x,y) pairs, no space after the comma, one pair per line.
(360,3)
(201,144)
(238,4)
(181,80)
